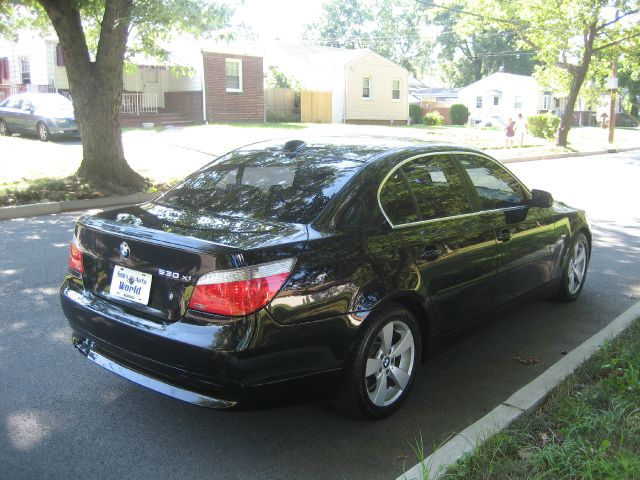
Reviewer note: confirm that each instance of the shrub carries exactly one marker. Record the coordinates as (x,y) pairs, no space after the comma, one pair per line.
(433,118)
(459,114)
(544,126)
(415,112)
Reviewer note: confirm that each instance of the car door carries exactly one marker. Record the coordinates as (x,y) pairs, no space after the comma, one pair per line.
(428,206)
(27,118)
(525,235)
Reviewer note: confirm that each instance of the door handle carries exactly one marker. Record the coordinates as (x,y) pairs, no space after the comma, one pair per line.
(504,236)
(430,253)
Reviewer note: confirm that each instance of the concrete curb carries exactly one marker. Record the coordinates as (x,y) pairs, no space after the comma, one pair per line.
(35,209)
(48,208)
(552,156)
(523,401)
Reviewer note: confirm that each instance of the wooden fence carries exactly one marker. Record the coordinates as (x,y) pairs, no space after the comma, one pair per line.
(315,107)
(280,105)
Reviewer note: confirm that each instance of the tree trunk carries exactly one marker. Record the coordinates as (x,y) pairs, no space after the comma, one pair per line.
(578,74)
(567,116)
(96,90)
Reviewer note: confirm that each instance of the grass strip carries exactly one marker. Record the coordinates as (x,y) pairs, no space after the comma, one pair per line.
(50,189)
(588,428)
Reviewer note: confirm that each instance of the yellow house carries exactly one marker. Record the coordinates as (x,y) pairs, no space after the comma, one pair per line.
(365,87)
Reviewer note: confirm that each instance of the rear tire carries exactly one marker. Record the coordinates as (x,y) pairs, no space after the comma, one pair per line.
(4,128)
(574,273)
(43,132)
(382,367)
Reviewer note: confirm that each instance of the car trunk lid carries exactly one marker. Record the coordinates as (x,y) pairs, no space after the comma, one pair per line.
(173,248)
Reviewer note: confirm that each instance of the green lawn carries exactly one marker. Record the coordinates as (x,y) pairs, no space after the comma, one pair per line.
(589,428)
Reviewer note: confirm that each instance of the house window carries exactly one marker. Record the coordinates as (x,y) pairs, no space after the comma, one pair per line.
(478,102)
(496,100)
(25,70)
(234,75)
(366,87)
(518,102)
(546,101)
(395,90)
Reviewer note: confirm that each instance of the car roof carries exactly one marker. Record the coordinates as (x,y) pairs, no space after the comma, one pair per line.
(359,148)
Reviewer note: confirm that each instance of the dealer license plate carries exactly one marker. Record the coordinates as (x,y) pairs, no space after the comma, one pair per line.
(131,284)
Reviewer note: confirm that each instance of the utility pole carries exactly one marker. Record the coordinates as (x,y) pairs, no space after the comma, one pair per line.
(613,85)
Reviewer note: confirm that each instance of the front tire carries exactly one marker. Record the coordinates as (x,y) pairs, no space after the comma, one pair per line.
(574,273)
(4,129)
(383,365)
(43,132)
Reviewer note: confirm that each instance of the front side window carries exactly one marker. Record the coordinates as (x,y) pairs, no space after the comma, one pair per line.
(426,188)
(234,75)
(25,70)
(495,186)
(395,90)
(366,87)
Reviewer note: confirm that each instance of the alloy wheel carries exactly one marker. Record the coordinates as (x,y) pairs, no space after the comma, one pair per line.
(390,363)
(3,128)
(43,132)
(577,267)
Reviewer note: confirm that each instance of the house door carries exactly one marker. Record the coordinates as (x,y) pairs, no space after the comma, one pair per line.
(152,85)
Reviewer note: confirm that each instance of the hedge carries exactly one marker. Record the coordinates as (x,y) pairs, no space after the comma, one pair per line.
(415,112)
(433,118)
(544,125)
(459,114)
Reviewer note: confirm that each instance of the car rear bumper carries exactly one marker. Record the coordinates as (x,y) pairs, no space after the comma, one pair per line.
(87,348)
(211,365)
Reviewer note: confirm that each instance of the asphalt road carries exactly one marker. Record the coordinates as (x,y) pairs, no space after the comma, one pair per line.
(63,417)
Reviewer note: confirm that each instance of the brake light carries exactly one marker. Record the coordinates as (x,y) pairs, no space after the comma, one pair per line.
(75,256)
(240,291)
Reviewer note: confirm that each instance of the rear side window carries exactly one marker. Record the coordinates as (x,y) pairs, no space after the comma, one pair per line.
(426,188)
(13,102)
(437,187)
(265,185)
(396,201)
(495,186)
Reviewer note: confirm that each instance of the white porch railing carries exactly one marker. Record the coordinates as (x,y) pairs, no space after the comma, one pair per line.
(137,103)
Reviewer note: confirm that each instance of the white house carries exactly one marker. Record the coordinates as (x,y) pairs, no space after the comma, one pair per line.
(501,96)
(366,87)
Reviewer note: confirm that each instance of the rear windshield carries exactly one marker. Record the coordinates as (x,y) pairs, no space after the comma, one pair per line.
(266,184)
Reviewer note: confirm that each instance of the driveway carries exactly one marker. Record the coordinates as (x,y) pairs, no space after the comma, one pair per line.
(63,417)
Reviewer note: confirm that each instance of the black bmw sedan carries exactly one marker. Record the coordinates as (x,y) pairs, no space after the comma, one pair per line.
(46,115)
(338,263)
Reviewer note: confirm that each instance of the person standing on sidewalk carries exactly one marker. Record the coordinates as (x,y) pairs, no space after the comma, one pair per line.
(521,129)
(509,131)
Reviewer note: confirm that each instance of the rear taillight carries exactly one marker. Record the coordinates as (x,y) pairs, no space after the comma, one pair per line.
(240,291)
(75,256)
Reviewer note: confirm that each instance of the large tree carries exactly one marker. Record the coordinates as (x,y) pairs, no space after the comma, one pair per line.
(566,35)
(468,54)
(395,29)
(94,36)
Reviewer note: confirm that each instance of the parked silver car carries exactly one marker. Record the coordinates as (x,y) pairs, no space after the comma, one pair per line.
(46,115)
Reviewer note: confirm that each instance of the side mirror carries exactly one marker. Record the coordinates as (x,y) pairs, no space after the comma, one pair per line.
(540,198)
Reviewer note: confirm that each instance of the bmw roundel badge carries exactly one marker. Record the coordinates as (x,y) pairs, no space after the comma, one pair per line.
(124,250)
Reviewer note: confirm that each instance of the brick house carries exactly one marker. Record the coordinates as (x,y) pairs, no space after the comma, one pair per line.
(233,87)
